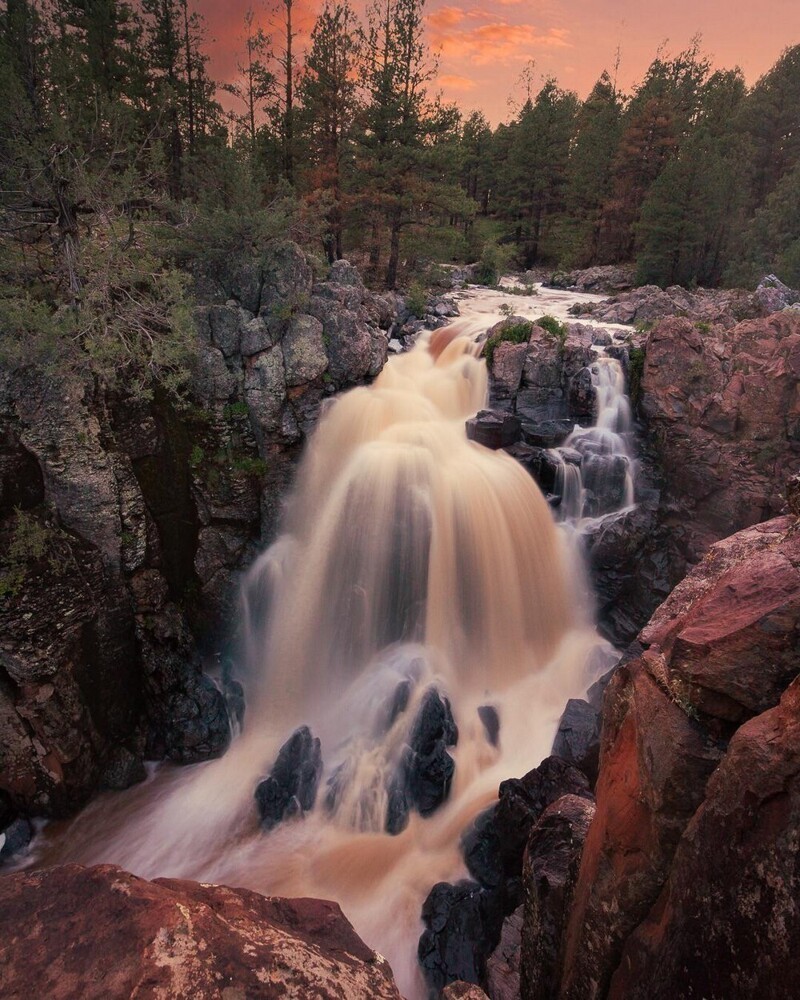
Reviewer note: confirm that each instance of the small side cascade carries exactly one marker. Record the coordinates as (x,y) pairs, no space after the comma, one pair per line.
(595,467)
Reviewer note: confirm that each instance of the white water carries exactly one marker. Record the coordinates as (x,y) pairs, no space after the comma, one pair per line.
(408,552)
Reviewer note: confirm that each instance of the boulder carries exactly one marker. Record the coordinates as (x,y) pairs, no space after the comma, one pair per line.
(494,845)
(503,965)
(578,737)
(493,428)
(422,780)
(691,852)
(463,923)
(462,991)
(552,857)
(105,933)
(290,790)
(581,397)
(726,922)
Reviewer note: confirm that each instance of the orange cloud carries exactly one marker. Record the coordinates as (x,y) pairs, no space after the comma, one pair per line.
(445,17)
(451,81)
(498,41)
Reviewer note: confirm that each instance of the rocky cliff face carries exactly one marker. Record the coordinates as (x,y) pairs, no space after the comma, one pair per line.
(100,932)
(124,521)
(688,879)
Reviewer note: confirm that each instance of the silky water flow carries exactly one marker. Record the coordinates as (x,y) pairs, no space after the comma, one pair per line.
(408,553)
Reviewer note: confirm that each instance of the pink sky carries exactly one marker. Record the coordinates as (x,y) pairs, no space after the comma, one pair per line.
(484,46)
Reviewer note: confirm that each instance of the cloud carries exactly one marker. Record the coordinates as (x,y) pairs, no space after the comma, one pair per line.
(451,81)
(445,17)
(494,42)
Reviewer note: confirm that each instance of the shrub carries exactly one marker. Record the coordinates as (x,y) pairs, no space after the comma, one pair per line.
(417,299)
(514,333)
(493,263)
(554,327)
(32,542)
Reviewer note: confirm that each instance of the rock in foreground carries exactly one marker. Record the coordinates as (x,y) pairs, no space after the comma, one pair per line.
(101,932)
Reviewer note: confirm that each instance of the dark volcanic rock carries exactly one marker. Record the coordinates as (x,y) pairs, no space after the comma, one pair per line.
(462,928)
(291,788)
(493,428)
(578,737)
(103,933)
(494,845)
(552,857)
(423,779)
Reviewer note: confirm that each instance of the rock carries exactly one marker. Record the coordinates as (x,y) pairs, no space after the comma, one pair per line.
(462,928)
(225,324)
(493,428)
(552,857)
(123,769)
(303,350)
(180,938)
(723,408)
(503,966)
(604,278)
(582,397)
(462,991)
(14,839)
(547,433)
(505,371)
(725,924)
(423,779)
(654,765)
(493,846)
(291,787)
(793,495)
(491,723)
(578,737)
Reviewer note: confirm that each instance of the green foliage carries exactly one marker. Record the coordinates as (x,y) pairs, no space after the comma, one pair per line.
(553,327)
(514,333)
(494,263)
(635,374)
(233,410)
(417,299)
(196,456)
(33,544)
(246,465)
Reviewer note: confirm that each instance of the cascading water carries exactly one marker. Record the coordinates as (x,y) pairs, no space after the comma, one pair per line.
(595,466)
(410,556)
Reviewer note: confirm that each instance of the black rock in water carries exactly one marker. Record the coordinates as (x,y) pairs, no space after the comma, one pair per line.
(291,788)
(15,838)
(463,924)
(495,843)
(493,428)
(491,723)
(425,773)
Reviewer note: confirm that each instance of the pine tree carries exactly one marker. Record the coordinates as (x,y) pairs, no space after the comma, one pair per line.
(330,105)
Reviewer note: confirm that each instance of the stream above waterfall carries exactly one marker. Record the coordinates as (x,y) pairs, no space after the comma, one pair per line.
(410,558)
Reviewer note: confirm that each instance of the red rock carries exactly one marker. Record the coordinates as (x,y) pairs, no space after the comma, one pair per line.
(74,932)
(727,635)
(727,923)
(723,407)
(654,766)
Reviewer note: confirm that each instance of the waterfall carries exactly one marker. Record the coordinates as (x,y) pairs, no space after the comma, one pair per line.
(595,465)
(410,558)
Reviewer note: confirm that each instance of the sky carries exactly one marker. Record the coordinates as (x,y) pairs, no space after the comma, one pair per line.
(484,45)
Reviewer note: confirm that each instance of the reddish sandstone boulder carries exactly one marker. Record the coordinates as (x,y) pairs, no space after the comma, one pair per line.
(727,924)
(101,932)
(654,765)
(723,406)
(688,882)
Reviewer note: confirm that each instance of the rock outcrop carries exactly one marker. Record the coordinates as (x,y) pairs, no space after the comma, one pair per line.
(648,304)
(688,880)
(125,519)
(723,411)
(101,932)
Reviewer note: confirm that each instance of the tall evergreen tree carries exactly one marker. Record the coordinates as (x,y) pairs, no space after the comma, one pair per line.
(330,105)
